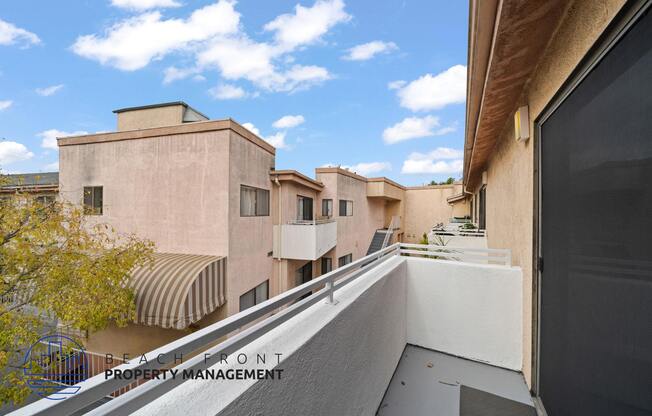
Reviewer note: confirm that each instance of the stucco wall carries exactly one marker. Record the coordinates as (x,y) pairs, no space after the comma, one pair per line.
(250,238)
(354,233)
(170,189)
(320,376)
(461,208)
(425,207)
(468,310)
(150,117)
(510,171)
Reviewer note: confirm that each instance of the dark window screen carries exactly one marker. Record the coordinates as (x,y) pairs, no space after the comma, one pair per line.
(596,231)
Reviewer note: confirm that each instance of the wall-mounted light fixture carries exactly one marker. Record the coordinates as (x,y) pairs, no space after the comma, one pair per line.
(521,124)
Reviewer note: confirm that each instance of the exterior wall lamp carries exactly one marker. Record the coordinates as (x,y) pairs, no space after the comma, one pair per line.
(521,124)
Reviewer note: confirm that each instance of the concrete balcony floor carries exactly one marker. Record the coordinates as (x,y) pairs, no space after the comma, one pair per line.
(431,383)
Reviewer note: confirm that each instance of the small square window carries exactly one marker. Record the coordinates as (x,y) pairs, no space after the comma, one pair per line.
(344,260)
(255,296)
(327,208)
(93,200)
(254,202)
(346,208)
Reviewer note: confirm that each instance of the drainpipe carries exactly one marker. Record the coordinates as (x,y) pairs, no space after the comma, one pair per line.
(278,237)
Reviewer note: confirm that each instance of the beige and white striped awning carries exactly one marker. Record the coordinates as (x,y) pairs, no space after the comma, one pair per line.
(179,289)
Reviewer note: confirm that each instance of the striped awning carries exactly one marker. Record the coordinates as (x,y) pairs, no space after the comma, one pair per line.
(179,289)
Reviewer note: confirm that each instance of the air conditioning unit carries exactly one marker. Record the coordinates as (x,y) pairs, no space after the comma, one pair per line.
(521,124)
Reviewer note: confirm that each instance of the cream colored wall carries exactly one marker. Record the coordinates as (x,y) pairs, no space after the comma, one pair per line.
(250,238)
(510,172)
(150,117)
(290,193)
(172,190)
(425,207)
(354,233)
(461,208)
(384,189)
(183,193)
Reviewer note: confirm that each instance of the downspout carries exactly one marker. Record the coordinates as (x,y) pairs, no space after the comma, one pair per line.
(278,237)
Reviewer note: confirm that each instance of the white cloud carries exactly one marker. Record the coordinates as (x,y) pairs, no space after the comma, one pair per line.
(11,152)
(50,137)
(133,43)
(395,85)
(415,127)
(439,154)
(369,50)
(252,128)
(214,37)
(227,92)
(287,122)
(303,76)
(48,91)
(439,161)
(50,167)
(242,57)
(172,73)
(141,5)
(277,140)
(11,35)
(366,168)
(307,24)
(431,92)
(5,104)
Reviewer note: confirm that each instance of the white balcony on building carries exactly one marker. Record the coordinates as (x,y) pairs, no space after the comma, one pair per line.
(304,239)
(404,331)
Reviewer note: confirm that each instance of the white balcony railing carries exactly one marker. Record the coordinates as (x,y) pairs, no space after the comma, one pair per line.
(497,256)
(304,239)
(341,353)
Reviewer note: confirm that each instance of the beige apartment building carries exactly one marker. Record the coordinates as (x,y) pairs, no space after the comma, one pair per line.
(558,158)
(230,230)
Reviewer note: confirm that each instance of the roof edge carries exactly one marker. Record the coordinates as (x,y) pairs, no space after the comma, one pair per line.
(298,177)
(195,127)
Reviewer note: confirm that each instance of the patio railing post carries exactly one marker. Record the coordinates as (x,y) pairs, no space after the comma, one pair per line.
(330,286)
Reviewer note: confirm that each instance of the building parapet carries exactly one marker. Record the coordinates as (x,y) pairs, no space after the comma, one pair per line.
(297,177)
(187,128)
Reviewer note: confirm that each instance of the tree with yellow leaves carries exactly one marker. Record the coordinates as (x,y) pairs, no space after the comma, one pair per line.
(55,266)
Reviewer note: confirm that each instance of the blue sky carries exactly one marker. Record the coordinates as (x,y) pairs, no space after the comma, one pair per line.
(376,86)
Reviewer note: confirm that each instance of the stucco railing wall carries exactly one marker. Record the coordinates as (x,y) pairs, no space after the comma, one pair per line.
(468,310)
(337,359)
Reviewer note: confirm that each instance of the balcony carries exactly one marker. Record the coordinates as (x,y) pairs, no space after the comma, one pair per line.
(304,240)
(385,189)
(397,332)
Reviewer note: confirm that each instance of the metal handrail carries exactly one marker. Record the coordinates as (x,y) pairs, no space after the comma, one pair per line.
(499,255)
(98,387)
(388,234)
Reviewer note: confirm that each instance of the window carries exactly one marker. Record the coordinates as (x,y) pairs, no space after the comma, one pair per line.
(254,202)
(93,200)
(326,265)
(327,208)
(483,209)
(255,296)
(344,260)
(304,208)
(346,208)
